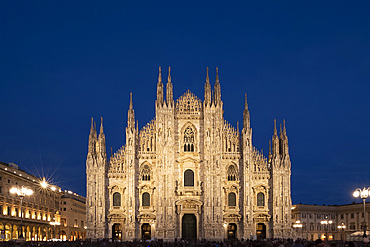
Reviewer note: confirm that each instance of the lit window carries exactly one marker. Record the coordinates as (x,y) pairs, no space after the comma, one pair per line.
(116,199)
(146,199)
(232,199)
(188,178)
(260,199)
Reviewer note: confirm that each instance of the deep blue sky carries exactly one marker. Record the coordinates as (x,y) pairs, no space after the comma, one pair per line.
(62,62)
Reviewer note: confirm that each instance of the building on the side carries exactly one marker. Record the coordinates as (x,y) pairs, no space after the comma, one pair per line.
(345,220)
(39,209)
(72,216)
(189,174)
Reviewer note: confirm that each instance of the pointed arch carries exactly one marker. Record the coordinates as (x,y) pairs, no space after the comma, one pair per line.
(232,173)
(189,137)
(145,172)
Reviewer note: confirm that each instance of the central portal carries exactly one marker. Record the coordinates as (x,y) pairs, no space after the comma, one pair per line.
(189,227)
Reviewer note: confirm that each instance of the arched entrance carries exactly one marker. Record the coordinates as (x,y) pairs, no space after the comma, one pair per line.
(231,231)
(63,235)
(261,231)
(189,227)
(116,231)
(146,231)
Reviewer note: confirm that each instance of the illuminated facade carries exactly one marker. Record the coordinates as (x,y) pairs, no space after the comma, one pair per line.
(349,218)
(39,209)
(188,174)
(72,216)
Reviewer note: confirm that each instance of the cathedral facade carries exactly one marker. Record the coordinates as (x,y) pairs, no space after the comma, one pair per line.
(188,174)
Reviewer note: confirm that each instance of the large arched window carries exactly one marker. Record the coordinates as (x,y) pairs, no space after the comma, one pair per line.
(116,199)
(145,173)
(232,199)
(188,178)
(260,199)
(146,199)
(231,173)
(188,140)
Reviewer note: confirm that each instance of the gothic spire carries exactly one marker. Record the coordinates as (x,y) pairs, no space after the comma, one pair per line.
(285,140)
(101,126)
(92,138)
(101,140)
(275,141)
(246,116)
(92,126)
(131,115)
(217,98)
(284,129)
(159,89)
(207,91)
(169,89)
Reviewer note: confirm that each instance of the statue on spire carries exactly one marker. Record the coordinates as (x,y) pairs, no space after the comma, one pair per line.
(217,98)
(169,89)
(159,89)
(246,116)
(207,91)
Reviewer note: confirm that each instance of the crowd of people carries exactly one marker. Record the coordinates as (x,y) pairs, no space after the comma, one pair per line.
(185,243)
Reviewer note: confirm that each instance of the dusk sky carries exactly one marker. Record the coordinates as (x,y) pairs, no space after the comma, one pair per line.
(308,62)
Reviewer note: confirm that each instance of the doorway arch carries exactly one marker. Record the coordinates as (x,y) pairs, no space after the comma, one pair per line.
(116,231)
(189,227)
(231,231)
(261,231)
(146,231)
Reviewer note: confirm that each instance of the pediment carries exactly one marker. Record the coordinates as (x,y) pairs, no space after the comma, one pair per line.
(188,158)
(189,202)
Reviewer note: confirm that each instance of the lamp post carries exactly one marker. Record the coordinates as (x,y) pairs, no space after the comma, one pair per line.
(364,193)
(326,222)
(298,225)
(341,228)
(54,223)
(21,192)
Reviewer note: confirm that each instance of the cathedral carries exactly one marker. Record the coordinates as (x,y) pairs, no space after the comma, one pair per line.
(188,174)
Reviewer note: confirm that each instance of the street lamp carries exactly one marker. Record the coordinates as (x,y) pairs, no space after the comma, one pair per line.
(341,228)
(54,223)
(363,194)
(298,225)
(326,223)
(21,192)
